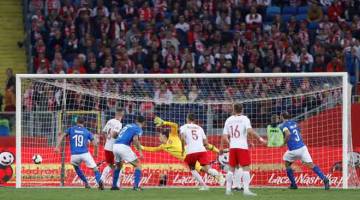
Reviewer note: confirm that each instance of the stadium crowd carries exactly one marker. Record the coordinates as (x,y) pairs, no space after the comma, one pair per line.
(195,36)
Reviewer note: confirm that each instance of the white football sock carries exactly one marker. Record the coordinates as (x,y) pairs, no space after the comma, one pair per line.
(246,180)
(229,180)
(105,173)
(237,178)
(197,176)
(213,172)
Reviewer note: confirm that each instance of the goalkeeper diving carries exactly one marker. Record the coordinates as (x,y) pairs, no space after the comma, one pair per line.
(171,143)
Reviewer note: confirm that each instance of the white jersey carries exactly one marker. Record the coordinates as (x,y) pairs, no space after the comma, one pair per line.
(194,138)
(111,125)
(236,127)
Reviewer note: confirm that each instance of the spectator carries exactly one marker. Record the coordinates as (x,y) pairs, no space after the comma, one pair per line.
(10,81)
(253,19)
(193,94)
(182,24)
(315,13)
(77,68)
(335,65)
(163,95)
(336,11)
(9,99)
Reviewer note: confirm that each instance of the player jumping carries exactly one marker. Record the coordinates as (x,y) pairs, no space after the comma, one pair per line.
(297,150)
(236,130)
(79,139)
(123,152)
(193,136)
(171,142)
(112,127)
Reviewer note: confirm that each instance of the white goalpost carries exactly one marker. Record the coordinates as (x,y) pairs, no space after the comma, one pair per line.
(47,104)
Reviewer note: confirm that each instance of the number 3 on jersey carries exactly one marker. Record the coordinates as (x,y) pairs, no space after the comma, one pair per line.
(79,140)
(297,138)
(234,132)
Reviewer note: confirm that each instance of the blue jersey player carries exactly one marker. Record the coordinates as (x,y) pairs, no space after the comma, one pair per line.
(79,138)
(123,152)
(297,150)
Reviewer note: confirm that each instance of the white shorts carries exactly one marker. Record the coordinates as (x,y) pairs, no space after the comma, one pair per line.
(298,154)
(86,157)
(123,152)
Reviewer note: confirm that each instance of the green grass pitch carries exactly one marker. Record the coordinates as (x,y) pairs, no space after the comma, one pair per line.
(174,194)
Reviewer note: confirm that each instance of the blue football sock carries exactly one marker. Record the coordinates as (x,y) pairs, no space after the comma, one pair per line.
(137,175)
(97,176)
(115,177)
(290,174)
(318,171)
(81,174)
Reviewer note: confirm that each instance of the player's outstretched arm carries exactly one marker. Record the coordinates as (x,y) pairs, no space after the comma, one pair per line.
(253,133)
(137,145)
(60,139)
(224,140)
(212,148)
(152,149)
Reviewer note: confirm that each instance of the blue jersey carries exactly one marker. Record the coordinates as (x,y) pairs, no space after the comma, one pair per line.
(127,134)
(79,139)
(295,140)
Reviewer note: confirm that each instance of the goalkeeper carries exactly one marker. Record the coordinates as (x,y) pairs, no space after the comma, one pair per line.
(171,142)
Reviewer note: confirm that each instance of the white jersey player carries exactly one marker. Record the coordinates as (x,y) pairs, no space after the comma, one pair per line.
(112,127)
(236,130)
(193,136)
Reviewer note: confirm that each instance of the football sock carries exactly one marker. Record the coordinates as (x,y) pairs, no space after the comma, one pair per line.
(137,175)
(229,180)
(97,175)
(318,171)
(197,176)
(105,173)
(237,178)
(246,180)
(115,177)
(213,172)
(290,174)
(81,174)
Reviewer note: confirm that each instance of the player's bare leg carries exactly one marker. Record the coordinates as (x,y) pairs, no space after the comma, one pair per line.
(318,171)
(137,174)
(197,177)
(213,172)
(290,174)
(246,179)
(116,176)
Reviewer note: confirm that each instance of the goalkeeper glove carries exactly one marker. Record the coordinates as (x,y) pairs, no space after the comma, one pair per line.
(158,121)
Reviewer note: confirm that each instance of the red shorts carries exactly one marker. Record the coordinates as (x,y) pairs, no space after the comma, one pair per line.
(109,157)
(239,157)
(200,157)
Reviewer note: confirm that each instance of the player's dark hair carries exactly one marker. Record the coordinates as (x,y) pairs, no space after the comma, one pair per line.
(120,110)
(238,108)
(80,120)
(274,118)
(140,119)
(190,116)
(285,115)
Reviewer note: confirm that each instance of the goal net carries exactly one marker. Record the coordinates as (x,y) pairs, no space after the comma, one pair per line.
(49,104)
